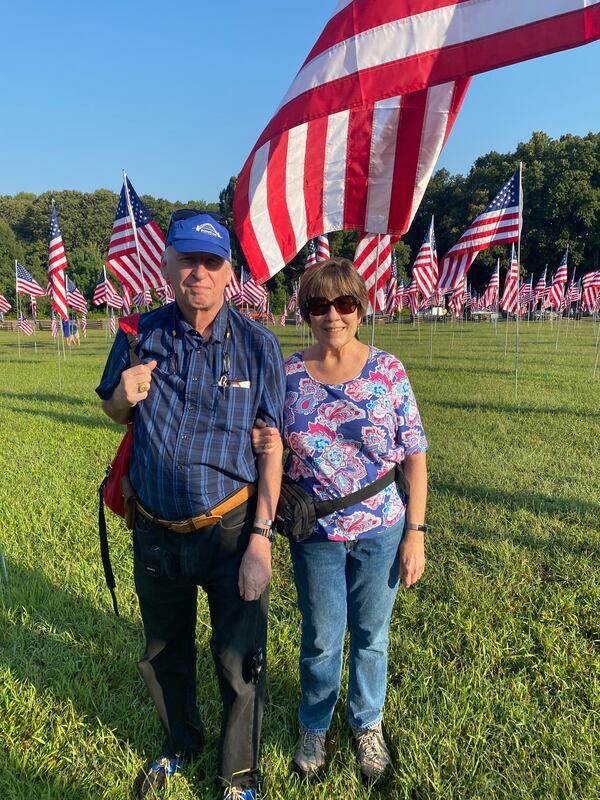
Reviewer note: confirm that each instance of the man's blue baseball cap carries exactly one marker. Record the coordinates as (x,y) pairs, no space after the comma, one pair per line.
(200,233)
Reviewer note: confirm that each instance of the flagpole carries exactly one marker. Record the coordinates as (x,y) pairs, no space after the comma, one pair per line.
(18,313)
(135,236)
(497,296)
(518,269)
(375,290)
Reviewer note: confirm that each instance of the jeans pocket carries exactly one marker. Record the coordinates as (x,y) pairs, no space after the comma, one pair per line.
(152,557)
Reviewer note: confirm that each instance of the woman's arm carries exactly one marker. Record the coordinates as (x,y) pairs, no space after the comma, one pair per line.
(412,549)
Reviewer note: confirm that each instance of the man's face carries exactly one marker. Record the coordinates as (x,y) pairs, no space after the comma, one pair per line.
(198,280)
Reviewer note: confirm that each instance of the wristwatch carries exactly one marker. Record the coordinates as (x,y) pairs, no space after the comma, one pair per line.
(411,526)
(268,533)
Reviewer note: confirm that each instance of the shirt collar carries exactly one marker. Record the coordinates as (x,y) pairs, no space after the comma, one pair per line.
(219,326)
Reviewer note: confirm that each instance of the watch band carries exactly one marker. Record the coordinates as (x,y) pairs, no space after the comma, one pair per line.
(268,533)
(263,521)
(411,526)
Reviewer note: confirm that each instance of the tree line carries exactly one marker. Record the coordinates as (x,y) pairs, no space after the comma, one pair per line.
(561,183)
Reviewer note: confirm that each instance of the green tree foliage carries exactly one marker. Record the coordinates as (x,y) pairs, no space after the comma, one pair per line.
(561,180)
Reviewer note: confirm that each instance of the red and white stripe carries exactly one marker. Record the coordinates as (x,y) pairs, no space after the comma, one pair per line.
(356,137)
(57,263)
(323,251)
(4,304)
(373,260)
(233,287)
(425,268)
(511,287)
(558,285)
(490,296)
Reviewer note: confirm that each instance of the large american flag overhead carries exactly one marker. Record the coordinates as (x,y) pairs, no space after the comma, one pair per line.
(122,259)
(355,139)
(500,223)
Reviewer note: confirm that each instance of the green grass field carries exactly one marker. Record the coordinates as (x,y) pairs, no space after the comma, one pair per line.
(494,656)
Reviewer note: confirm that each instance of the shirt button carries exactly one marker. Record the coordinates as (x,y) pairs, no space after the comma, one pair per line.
(180,467)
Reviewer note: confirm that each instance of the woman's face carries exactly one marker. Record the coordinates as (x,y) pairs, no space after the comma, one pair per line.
(334,329)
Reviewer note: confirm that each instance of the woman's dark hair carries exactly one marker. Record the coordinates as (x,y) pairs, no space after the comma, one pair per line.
(330,279)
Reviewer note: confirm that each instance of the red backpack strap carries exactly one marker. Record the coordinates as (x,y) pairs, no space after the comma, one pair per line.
(130,324)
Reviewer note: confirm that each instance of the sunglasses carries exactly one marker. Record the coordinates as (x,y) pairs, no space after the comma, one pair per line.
(344,304)
(186,213)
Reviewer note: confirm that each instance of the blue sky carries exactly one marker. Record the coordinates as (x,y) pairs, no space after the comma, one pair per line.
(178,93)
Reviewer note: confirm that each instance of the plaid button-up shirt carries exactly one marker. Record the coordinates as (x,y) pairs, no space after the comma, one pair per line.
(191,445)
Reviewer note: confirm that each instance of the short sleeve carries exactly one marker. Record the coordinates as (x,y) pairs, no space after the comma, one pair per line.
(410,434)
(118,360)
(270,408)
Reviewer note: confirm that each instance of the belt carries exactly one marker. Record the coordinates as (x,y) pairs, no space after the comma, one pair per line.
(211,517)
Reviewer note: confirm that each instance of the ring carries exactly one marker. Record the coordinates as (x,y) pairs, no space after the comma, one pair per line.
(142,387)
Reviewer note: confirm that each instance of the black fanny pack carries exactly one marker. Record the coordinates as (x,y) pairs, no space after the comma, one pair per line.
(298,511)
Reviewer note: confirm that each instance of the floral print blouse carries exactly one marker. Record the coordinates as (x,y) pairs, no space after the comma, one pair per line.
(343,437)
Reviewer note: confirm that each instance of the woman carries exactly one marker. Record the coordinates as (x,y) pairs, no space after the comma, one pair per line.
(350,416)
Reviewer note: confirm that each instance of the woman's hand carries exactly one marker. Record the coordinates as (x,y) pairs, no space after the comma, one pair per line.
(412,557)
(264,439)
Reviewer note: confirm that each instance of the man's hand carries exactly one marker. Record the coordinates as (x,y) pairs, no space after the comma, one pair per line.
(131,390)
(255,569)
(412,557)
(264,439)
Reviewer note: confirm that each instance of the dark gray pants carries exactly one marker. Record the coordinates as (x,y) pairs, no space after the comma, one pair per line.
(168,568)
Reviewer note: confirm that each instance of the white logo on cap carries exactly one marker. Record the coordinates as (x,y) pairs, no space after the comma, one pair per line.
(209,229)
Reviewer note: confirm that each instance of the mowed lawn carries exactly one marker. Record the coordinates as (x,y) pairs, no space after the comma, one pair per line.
(494,656)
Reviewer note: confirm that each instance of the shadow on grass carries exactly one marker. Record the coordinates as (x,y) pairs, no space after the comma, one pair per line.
(531,501)
(75,653)
(511,409)
(62,399)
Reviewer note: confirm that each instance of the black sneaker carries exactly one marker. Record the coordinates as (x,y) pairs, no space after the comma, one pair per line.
(161,771)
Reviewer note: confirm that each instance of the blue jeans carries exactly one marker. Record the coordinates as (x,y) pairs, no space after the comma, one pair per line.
(337,582)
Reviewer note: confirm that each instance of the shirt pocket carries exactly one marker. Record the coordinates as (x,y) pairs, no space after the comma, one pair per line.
(234,410)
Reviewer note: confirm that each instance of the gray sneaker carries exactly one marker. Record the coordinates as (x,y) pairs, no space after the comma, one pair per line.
(309,758)
(373,754)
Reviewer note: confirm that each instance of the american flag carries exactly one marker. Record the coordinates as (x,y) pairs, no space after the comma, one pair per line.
(105,292)
(4,304)
(270,318)
(165,294)
(574,292)
(53,325)
(298,317)
(84,325)
(33,304)
(400,295)
(282,319)
(312,255)
(356,137)
(559,280)
(457,298)
(293,300)
(232,290)
(540,288)
(526,290)
(511,286)
(323,252)
(142,299)
(490,296)
(590,289)
(113,323)
(57,262)
(373,260)
(500,223)
(24,325)
(74,297)
(411,297)
(252,292)
(425,268)
(26,284)
(122,259)
(126,300)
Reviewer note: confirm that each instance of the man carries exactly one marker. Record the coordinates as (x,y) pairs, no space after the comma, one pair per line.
(205,373)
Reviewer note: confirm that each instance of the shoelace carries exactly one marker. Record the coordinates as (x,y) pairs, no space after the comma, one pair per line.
(373,746)
(310,741)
